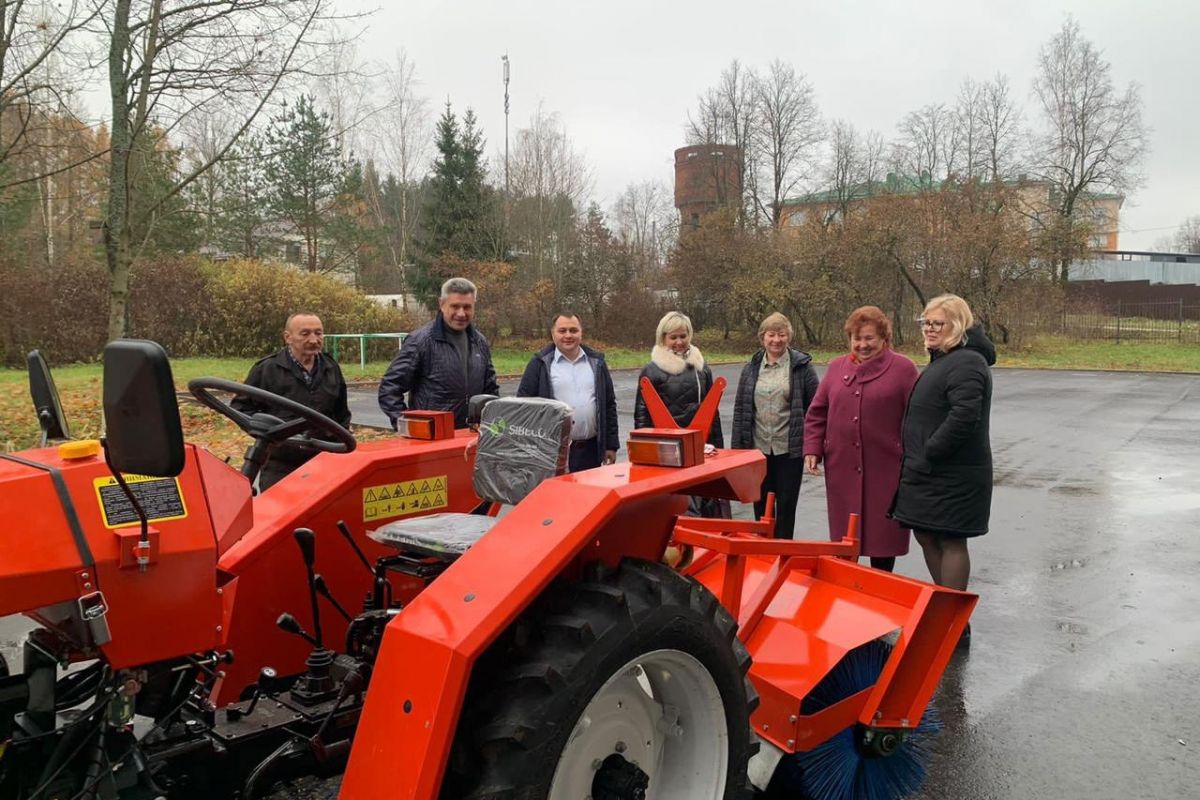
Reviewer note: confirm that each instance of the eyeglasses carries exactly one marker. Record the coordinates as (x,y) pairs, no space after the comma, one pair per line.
(931,324)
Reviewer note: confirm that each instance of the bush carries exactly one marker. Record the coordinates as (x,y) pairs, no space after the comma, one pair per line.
(191,306)
(63,311)
(251,301)
(632,315)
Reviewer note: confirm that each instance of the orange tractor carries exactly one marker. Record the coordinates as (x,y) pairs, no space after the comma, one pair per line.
(372,614)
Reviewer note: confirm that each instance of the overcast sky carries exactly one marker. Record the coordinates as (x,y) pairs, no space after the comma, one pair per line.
(624,75)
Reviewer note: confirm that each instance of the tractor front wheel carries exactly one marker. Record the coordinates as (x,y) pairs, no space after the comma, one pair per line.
(626,686)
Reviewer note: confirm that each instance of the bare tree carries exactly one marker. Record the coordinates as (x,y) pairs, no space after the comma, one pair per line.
(726,115)
(549,182)
(852,170)
(645,222)
(874,160)
(44,63)
(970,130)
(346,86)
(1093,138)
(404,142)
(786,136)
(928,148)
(1001,131)
(1187,238)
(203,137)
(168,62)
(45,58)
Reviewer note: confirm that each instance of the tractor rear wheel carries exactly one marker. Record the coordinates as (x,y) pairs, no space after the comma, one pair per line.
(628,685)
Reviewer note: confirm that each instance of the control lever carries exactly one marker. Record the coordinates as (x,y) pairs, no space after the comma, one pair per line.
(307,540)
(379,596)
(288,624)
(323,590)
(345,531)
(266,683)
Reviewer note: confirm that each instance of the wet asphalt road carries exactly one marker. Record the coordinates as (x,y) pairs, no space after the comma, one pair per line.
(1083,677)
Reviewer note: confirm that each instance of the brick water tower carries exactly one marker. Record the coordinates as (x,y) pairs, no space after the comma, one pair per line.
(707,177)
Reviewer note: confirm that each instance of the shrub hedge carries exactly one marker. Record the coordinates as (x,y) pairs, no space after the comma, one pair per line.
(193,307)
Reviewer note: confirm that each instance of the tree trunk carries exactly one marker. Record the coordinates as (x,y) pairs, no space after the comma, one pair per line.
(116,234)
(909,279)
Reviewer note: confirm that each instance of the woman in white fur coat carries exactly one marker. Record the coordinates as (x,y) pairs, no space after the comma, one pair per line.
(679,375)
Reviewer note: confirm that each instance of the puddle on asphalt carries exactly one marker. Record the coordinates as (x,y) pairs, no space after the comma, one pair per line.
(1073,489)
(1040,479)
(1147,488)
(1023,478)
(1169,504)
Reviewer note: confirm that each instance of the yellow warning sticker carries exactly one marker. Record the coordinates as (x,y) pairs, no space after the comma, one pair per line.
(406,497)
(160,498)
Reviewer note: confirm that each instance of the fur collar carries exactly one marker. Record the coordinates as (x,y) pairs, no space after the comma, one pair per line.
(672,364)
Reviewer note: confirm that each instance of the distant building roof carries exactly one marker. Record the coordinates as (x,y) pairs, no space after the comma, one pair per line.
(910,184)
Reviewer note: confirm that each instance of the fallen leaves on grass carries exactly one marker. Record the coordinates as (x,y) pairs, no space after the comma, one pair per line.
(82,403)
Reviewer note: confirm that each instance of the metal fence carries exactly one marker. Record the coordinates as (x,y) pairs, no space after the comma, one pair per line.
(1160,321)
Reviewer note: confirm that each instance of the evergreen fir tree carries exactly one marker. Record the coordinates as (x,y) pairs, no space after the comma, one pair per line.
(458,205)
(304,169)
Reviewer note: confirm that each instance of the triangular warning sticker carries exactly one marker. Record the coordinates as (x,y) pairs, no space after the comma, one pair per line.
(425,502)
(412,489)
(438,484)
(383,493)
(439,500)
(424,487)
(370,498)
(398,490)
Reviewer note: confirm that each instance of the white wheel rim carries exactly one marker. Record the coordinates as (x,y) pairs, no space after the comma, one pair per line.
(662,712)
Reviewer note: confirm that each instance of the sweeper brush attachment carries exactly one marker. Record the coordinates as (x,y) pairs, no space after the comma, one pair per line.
(845,712)
(850,765)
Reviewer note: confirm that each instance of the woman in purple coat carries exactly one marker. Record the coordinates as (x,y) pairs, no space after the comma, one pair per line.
(853,425)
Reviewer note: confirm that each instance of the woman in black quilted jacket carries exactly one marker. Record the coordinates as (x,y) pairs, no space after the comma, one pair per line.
(945,492)
(682,379)
(679,375)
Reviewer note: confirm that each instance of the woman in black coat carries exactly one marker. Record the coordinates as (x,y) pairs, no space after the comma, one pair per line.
(682,379)
(945,492)
(773,395)
(679,375)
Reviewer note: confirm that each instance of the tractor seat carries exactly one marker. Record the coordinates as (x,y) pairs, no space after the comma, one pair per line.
(522,442)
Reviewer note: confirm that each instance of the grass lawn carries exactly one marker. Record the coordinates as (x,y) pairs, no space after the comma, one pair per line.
(1057,353)
(79,384)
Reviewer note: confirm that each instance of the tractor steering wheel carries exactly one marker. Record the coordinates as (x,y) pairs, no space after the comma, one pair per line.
(326,435)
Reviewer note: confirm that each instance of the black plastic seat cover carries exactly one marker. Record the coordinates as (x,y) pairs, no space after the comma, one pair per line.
(522,442)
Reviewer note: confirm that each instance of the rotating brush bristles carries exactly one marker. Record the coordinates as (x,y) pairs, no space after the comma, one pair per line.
(842,768)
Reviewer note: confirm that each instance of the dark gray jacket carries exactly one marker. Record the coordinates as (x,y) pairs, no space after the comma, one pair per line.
(804,389)
(429,371)
(682,385)
(278,374)
(536,383)
(946,474)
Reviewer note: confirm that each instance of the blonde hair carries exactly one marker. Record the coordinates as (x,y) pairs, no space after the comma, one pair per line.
(775,322)
(958,318)
(672,321)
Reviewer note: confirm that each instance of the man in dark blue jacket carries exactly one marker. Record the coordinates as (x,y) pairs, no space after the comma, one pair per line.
(570,371)
(443,363)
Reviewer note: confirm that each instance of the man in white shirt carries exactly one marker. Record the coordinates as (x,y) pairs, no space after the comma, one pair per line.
(570,371)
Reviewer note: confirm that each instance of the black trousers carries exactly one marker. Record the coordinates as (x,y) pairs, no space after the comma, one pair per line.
(585,454)
(783,478)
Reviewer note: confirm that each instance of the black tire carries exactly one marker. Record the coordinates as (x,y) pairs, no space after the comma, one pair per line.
(531,687)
